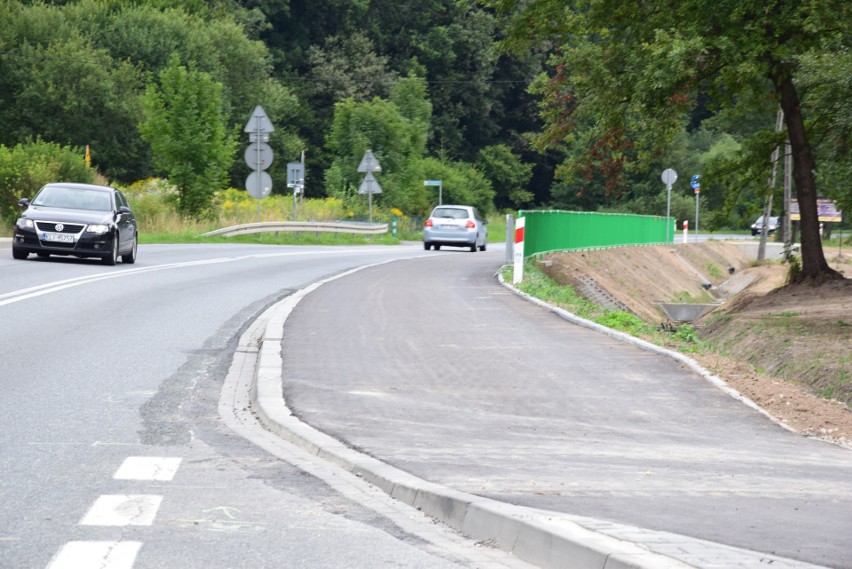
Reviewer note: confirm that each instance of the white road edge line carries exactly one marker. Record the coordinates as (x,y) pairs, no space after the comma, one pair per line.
(47,288)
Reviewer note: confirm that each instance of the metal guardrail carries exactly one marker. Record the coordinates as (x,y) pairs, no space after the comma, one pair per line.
(302,226)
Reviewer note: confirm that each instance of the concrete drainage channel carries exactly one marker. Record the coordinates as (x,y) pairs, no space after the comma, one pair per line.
(549,540)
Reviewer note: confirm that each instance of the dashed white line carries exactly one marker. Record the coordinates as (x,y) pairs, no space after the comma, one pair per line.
(123,510)
(147,468)
(96,555)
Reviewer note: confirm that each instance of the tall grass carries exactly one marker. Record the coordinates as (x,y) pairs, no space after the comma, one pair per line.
(154,201)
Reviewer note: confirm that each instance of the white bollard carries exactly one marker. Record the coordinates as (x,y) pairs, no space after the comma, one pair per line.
(518,274)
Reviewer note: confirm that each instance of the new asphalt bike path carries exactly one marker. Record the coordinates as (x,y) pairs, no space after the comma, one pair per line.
(530,430)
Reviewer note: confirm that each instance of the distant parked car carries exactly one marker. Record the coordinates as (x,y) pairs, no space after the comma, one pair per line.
(456,226)
(757,226)
(82,220)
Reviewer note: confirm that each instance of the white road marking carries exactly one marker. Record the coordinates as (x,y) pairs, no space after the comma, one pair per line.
(147,468)
(123,510)
(47,288)
(96,555)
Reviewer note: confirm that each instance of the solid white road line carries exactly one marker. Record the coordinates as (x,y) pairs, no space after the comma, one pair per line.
(123,510)
(147,468)
(96,555)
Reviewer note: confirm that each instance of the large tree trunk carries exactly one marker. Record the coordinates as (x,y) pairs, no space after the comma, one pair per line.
(814,265)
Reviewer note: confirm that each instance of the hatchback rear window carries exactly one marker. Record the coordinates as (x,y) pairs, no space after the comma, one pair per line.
(451,212)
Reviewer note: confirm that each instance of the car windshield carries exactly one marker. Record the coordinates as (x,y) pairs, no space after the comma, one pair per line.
(74,198)
(451,212)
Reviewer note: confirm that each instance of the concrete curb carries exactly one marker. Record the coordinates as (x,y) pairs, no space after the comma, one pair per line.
(539,538)
(5,242)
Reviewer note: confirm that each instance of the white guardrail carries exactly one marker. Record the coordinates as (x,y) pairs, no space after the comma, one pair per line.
(355,227)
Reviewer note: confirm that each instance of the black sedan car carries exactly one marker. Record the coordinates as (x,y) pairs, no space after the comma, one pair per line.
(82,220)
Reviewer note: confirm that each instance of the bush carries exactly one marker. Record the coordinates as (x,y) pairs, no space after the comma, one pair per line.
(27,167)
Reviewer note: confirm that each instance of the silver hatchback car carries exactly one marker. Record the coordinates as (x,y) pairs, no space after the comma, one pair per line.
(456,226)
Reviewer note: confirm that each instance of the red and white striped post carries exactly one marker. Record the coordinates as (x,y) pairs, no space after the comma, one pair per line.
(685,230)
(518,251)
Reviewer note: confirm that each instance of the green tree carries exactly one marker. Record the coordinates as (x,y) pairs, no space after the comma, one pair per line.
(827,87)
(461,183)
(58,84)
(626,74)
(25,168)
(347,67)
(394,130)
(186,127)
(75,72)
(508,175)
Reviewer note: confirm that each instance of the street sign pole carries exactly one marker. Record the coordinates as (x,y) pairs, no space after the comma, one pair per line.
(440,185)
(257,165)
(696,185)
(259,157)
(368,165)
(669,178)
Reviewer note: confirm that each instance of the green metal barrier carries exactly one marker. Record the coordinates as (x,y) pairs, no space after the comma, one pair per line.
(554,230)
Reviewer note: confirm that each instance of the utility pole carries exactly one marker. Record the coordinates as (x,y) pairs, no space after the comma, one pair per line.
(767,208)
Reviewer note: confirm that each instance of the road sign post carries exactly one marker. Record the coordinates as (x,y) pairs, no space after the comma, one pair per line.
(669,178)
(440,189)
(258,155)
(695,182)
(296,181)
(369,185)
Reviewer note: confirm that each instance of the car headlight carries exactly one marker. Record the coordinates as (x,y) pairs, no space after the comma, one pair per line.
(24,223)
(97,229)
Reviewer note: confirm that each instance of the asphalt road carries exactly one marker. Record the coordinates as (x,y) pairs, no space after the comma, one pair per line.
(113,451)
(426,363)
(433,367)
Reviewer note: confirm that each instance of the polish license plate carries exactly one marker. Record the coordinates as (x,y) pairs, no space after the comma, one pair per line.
(58,237)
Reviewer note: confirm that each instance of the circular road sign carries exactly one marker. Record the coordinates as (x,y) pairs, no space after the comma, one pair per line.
(259,186)
(669,176)
(258,148)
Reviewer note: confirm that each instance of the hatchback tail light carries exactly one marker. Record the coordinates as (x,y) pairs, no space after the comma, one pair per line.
(428,223)
(470,224)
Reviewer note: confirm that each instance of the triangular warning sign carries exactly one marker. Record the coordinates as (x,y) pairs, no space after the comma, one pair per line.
(369,163)
(259,122)
(370,185)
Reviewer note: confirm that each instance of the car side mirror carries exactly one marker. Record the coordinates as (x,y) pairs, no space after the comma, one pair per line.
(124,209)
(24,202)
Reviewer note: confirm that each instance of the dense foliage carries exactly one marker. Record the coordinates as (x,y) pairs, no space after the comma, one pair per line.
(541,103)
(626,76)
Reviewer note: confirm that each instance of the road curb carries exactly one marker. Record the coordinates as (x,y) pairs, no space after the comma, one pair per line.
(5,242)
(543,539)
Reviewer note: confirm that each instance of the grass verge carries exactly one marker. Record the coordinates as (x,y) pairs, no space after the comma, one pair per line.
(537,284)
